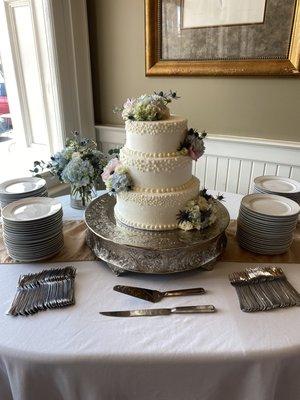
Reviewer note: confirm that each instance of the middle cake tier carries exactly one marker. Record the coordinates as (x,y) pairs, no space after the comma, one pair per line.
(157,171)
(152,210)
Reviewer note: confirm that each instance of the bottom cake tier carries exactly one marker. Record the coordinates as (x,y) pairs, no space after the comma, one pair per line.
(154,210)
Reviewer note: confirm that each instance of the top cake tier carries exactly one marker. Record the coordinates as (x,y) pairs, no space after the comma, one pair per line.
(156,136)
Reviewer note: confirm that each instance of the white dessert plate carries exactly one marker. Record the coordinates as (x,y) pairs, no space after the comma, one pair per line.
(29,232)
(261,242)
(283,222)
(36,224)
(35,257)
(23,240)
(42,246)
(270,205)
(266,247)
(277,184)
(263,233)
(31,209)
(22,185)
(264,250)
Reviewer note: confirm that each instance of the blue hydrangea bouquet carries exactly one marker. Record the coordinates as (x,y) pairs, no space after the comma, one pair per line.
(80,164)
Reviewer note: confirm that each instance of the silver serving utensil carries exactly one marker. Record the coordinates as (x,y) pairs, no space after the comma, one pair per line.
(160,311)
(155,295)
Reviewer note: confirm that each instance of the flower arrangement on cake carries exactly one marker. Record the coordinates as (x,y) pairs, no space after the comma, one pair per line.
(199,213)
(147,107)
(116,177)
(80,164)
(193,144)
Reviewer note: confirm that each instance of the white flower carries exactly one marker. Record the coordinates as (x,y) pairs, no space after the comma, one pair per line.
(186,225)
(146,108)
(120,169)
(195,216)
(76,154)
(198,226)
(190,204)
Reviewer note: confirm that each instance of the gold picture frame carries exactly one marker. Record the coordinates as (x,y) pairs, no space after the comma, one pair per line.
(157,66)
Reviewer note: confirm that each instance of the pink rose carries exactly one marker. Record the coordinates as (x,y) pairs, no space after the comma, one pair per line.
(194,153)
(128,103)
(110,168)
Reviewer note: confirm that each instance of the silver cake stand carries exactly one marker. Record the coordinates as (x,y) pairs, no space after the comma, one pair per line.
(151,252)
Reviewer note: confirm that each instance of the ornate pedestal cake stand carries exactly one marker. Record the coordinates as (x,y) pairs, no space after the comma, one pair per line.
(151,252)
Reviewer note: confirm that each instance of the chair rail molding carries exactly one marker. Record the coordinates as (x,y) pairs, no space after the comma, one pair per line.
(230,163)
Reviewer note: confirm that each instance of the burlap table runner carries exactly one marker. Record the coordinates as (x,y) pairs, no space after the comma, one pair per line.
(75,248)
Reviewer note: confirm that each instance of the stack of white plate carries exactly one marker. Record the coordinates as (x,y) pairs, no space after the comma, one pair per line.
(32,228)
(266,223)
(278,185)
(16,189)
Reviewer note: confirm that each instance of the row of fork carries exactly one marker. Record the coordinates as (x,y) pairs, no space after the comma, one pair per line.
(263,288)
(37,292)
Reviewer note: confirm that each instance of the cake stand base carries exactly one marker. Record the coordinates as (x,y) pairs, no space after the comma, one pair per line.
(126,249)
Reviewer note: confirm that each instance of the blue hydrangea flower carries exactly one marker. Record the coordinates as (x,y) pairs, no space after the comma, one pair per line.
(120,182)
(59,160)
(78,172)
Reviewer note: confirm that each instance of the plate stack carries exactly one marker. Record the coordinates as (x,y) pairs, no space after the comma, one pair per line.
(32,228)
(278,185)
(266,223)
(16,189)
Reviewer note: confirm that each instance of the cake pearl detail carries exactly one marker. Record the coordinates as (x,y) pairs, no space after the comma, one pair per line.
(145,226)
(153,164)
(170,126)
(138,189)
(153,211)
(133,153)
(161,199)
(154,137)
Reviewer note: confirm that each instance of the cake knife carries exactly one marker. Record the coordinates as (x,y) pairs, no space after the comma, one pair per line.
(161,311)
(155,295)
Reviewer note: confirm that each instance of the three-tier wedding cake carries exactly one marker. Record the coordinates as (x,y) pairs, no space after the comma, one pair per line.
(162,176)
(152,176)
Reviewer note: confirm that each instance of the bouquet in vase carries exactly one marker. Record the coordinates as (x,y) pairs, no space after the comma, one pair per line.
(80,164)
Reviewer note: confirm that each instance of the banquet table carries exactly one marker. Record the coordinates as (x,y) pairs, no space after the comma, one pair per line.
(75,353)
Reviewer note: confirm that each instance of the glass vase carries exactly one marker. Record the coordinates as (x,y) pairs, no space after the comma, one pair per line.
(82,196)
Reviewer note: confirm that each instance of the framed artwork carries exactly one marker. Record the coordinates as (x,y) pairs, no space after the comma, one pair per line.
(222,37)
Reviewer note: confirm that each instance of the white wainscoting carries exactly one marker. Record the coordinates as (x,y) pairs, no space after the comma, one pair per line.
(230,163)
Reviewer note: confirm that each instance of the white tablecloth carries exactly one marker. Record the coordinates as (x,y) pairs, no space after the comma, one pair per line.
(77,354)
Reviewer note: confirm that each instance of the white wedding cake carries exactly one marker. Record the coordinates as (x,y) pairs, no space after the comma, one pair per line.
(162,177)
(152,176)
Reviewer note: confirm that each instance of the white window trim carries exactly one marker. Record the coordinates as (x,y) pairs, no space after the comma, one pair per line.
(63,56)
(69,39)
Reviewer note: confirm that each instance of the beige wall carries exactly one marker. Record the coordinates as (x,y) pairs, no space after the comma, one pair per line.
(257,107)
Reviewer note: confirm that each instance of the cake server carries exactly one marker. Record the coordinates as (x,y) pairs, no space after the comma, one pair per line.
(155,295)
(160,311)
